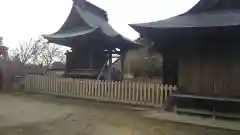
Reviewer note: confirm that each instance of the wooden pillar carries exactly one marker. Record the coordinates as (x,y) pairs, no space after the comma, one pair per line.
(66,68)
(90,60)
(109,74)
(122,58)
(170,67)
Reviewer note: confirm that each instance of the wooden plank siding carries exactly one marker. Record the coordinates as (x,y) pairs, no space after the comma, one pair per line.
(210,73)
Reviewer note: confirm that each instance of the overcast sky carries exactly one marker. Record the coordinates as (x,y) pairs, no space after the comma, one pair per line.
(24,19)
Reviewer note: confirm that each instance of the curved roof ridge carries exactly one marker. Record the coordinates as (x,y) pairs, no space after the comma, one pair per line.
(83,24)
(70,33)
(91,8)
(202,19)
(73,20)
(202,5)
(80,12)
(95,21)
(210,5)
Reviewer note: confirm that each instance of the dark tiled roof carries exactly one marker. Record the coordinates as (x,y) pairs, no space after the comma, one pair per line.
(87,21)
(204,19)
(209,5)
(207,13)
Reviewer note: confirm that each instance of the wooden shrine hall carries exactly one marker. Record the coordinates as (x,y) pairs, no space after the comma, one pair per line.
(201,53)
(92,40)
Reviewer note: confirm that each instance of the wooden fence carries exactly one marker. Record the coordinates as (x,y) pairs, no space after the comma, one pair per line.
(150,94)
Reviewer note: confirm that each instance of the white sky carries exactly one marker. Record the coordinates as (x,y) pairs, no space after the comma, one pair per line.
(24,19)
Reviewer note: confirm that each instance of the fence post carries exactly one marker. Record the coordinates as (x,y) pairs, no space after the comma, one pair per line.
(113,90)
(45,87)
(166,89)
(70,80)
(60,86)
(122,91)
(156,91)
(145,93)
(79,82)
(73,88)
(53,86)
(170,90)
(108,90)
(93,87)
(64,88)
(89,88)
(26,84)
(83,87)
(161,94)
(153,94)
(102,89)
(80,86)
(129,90)
(98,87)
(133,91)
(42,84)
(149,92)
(137,91)
(94,82)
(141,92)
(49,81)
(125,90)
(32,84)
(56,86)
(50,85)
(118,90)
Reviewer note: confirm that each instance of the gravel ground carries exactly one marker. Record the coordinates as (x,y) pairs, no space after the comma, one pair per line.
(47,115)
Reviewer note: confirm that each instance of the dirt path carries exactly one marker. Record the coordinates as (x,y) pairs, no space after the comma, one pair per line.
(46,115)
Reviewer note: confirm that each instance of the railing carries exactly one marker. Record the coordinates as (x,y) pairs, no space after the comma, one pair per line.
(150,94)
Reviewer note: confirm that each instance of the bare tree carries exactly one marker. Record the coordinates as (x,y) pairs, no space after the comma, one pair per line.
(62,57)
(50,54)
(29,51)
(3,49)
(38,52)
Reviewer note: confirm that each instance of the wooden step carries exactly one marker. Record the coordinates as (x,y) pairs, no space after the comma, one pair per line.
(209,113)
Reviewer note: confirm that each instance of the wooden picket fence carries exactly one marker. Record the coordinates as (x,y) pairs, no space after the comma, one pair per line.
(150,94)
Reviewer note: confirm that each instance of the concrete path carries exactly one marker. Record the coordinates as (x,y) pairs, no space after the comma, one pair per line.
(194,120)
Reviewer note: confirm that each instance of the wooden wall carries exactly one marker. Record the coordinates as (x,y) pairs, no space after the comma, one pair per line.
(85,58)
(210,70)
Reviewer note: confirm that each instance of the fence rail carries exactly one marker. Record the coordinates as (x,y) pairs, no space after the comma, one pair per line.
(150,94)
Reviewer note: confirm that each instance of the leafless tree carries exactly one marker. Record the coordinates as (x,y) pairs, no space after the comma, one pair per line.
(38,52)
(28,52)
(62,57)
(50,54)
(3,49)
